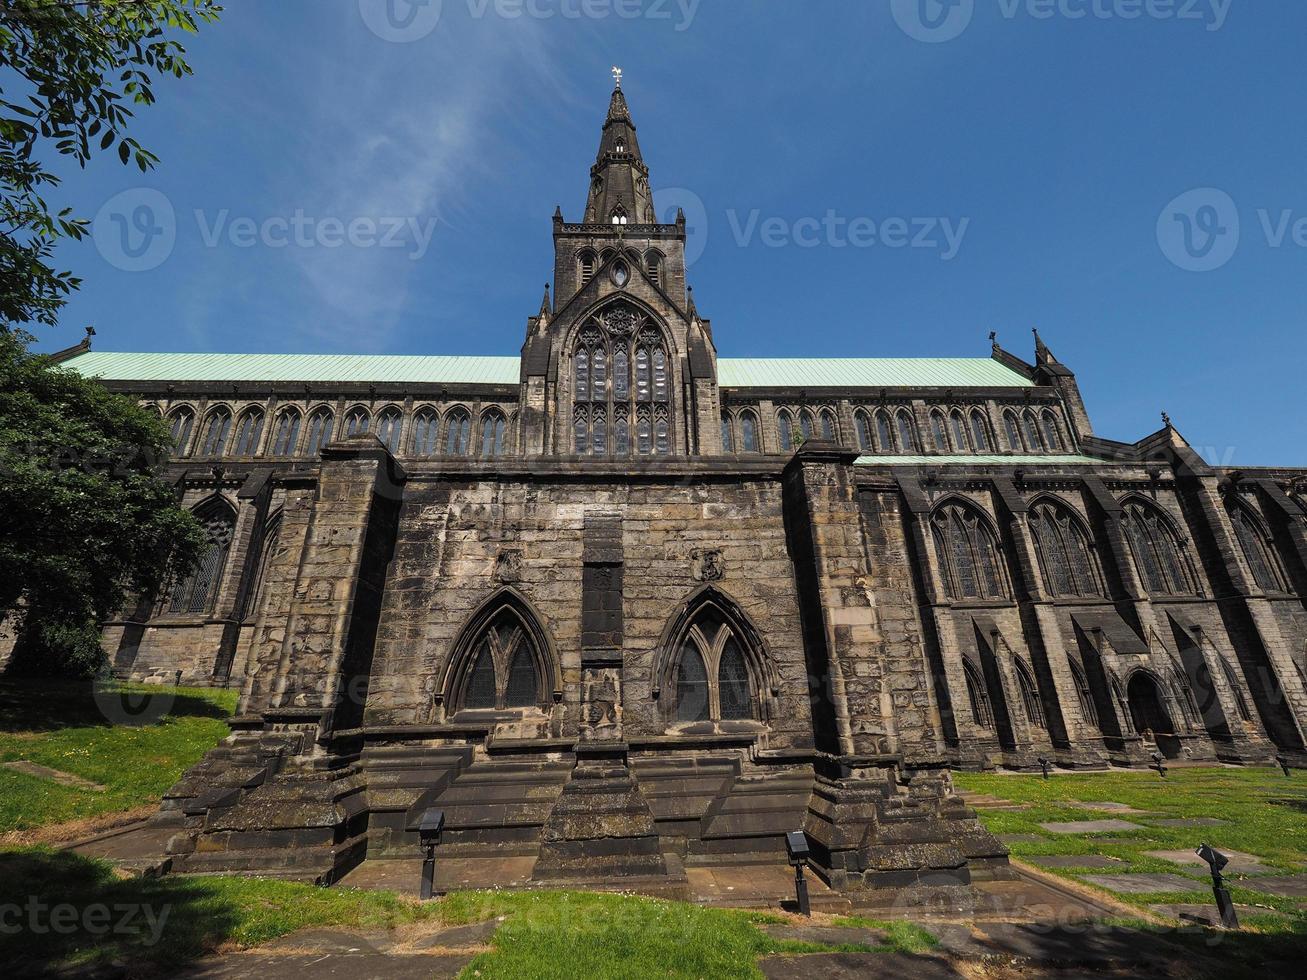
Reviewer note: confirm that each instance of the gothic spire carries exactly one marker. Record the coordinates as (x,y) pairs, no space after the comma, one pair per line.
(619,180)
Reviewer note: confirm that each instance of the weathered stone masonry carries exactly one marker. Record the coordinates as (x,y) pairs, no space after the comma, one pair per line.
(623,605)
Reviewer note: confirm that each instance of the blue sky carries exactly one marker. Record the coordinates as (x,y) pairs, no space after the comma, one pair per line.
(1037,158)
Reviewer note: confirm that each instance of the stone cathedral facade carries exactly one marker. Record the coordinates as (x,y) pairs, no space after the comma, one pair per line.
(624,605)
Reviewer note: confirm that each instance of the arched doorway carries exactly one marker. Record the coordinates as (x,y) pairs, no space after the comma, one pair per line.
(1148,713)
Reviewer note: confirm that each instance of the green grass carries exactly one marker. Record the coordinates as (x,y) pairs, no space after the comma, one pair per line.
(71,727)
(1266,815)
(542,933)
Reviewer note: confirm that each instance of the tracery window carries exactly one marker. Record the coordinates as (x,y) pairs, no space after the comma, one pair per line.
(863,426)
(980,431)
(884,432)
(320,428)
(216,429)
(620,381)
(749,432)
(426,433)
(390,426)
(197,593)
(939,431)
(907,432)
(1257,550)
(493,425)
(1013,432)
(728,434)
(357,421)
(1156,550)
(712,677)
(827,420)
(1030,696)
(1031,431)
(458,429)
(1052,432)
(785,429)
(969,553)
(286,435)
(1063,550)
(958,427)
(180,424)
(504,667)
(248,430)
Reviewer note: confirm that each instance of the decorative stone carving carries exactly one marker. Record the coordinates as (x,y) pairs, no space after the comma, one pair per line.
(707,565)
(508,566)
(621,321)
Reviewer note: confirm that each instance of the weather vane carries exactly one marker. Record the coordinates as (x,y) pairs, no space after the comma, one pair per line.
(617,76)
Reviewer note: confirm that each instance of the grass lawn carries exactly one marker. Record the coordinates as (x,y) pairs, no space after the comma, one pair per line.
(1265,814)
(542,934)
(78,729)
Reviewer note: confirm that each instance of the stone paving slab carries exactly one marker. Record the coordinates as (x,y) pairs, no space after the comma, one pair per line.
(1106,805)
(1140,884)
(827,935)
(331,966)
(857,966)
(54,775)
(1073,861)
(1240,863)
(1206,913)
(1286,886)
(1090,826)
(1187,822)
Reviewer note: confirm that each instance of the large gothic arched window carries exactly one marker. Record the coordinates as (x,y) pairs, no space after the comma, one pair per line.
(390,427)
(621,376)
(286,434)
(180,424)
(248,431)
(493,425)
(969,553)
(1257,550)
(197,592)
(1062,547)
(320,428)
(714,671)
(1156,550)
(501,660)
(216,429)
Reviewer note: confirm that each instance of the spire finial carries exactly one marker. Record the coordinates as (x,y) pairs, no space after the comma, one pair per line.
(1166,420)
(617,77)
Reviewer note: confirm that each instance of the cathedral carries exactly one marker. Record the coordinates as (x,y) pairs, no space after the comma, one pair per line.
(624,606)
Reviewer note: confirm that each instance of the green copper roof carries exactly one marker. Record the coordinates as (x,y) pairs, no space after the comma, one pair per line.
(750,372)
(978,460)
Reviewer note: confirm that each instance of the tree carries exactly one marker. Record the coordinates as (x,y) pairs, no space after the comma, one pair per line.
(87,521)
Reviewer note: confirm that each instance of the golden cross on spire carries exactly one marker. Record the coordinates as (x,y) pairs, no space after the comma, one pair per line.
(617,76)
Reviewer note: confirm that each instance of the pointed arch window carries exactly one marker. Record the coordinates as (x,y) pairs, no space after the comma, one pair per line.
(907,432)
(320,428)
(286,435)
(1030,696)
(248,431)
(713,679)
(827,421)
(1258,551)
(749,432)
(586,262)
(458,426)
(357,421)
(653,265)
(621,371)
(1013,431)
(390,426)
(493,426)
(504,666)
(805,424)
(1052,432)
(426,433)
(969,554)
(180,424)
(197,593)
(977,695)
(728,434)
(958,427)
(980,432)
(1031,432)
(939,431)
(863,426)
(216,429)
(1063,549)
(884,433)
(1156,550)
(785,429)
(1083,694)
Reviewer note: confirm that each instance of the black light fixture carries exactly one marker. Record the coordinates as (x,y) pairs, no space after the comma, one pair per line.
(1283,763)
(1045,765)
(1216,861)
(1159,764)
(796,845)
(430,828)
